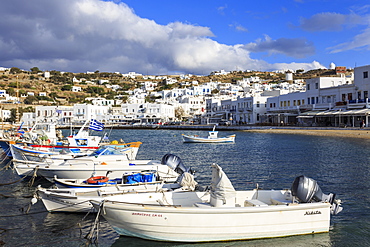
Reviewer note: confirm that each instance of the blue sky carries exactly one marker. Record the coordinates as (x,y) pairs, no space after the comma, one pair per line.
(197,37)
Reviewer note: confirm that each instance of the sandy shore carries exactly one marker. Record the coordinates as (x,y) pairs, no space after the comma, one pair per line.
(353,133)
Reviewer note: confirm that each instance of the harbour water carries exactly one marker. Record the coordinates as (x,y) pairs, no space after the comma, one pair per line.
(339,165)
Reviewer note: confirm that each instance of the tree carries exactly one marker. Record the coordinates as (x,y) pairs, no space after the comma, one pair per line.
(15,70)
(30,99)
(35,70)
(215,91)
(66,88)
(179,112)
(95,90)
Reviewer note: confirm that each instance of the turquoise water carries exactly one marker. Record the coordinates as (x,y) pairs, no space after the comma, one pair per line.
(339,165)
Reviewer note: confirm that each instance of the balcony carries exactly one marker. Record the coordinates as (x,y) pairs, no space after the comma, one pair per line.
(358,104)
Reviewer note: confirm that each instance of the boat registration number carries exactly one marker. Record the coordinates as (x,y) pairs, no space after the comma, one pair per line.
(147,215)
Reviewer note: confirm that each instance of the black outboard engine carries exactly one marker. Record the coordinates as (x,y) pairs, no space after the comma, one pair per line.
(307,190)
(176,164)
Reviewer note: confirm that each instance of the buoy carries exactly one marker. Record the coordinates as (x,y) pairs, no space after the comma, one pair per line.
(99,179)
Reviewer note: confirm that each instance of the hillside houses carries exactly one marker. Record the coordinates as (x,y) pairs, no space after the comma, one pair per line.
(335,100)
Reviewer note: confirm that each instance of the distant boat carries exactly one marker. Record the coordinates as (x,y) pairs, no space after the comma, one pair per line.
(211,138)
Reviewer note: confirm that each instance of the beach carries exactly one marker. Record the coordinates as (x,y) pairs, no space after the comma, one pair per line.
(352,133)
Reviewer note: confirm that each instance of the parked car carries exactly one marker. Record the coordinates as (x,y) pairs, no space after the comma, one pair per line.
(226,123)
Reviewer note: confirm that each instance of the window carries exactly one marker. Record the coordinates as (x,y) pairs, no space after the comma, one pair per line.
(316,85)
(309,101)
(359,95)
(258,104)
(366,94)
(350,96)
(366,75)
(308,86)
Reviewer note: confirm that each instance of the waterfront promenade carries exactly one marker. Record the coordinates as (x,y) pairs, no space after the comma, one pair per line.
(318,131)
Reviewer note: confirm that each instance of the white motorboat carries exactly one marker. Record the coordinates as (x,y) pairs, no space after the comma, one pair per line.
(166,170)
(26,159)
(78,199)
(222,214)
(211,138)
(53,153)
(105,181)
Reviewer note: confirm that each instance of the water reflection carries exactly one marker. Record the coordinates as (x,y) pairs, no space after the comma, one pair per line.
(322,240)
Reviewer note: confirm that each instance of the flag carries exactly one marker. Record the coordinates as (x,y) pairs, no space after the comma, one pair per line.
(96,125)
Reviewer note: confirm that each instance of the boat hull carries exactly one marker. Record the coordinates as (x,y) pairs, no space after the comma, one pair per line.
(206,224)
(226,139)
(85,170)
(77,200)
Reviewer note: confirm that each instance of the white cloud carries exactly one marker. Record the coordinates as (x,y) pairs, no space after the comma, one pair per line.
(88,35)
(360,41)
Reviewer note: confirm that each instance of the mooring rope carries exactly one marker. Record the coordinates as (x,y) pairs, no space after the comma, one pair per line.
(22,178)
(93,235)
(33,176)
(7,166)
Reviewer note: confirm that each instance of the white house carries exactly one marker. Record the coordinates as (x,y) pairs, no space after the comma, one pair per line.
(148,112)
(76,89)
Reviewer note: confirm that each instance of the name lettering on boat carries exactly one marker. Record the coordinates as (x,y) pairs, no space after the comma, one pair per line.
(312,212)
(147,215)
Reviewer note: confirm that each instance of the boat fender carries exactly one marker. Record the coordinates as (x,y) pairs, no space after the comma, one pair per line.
(99,179)
(103,163)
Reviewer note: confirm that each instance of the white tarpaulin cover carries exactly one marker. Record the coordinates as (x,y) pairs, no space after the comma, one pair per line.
(221,186)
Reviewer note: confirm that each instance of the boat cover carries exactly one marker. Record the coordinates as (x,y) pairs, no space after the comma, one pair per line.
(221,186)
(187,181)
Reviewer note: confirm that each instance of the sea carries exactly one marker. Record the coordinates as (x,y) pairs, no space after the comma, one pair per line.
(267,160)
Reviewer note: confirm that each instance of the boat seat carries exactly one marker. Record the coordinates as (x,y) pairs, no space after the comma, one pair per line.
(254,203)
(280,202)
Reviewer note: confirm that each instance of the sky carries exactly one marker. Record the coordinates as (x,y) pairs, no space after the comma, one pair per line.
(183,36)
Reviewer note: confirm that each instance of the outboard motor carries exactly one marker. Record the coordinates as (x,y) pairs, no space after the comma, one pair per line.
(176,164)
(307,190)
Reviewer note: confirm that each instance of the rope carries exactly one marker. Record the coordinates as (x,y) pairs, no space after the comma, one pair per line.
(25,176)
(7,166)
(33,176)
(93,235)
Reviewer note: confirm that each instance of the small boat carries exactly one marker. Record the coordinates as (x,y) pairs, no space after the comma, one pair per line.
(26,159)
(80,168)
(105,181)
(78,199)
(211,138)
(221,214)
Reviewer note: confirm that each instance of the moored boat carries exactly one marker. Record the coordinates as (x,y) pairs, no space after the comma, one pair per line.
(211,138)
(222,214)
(77,199)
